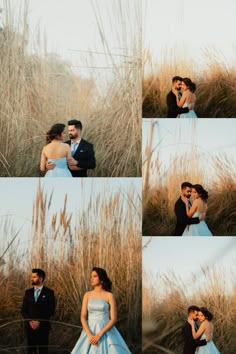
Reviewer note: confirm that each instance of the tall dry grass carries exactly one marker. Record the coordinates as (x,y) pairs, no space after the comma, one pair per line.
(161,188)
(164,315)
(107,233)
(39,89)
(216,89)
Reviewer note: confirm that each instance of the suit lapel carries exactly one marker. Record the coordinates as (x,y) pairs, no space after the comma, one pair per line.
(41,294)
(80,145)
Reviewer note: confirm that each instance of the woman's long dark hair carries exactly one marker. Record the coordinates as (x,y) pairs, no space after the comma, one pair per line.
(102,275)
(206,313)
(55,131)
(191,85)
(201,191)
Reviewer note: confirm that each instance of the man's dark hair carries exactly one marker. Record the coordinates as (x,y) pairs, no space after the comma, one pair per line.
(177,78)
(40,272)
(76,123)
(186,184)
(193,308)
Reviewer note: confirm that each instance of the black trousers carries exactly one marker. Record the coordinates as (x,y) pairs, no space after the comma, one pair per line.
(37,339)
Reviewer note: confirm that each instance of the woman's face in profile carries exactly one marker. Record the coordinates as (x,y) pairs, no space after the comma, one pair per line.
(201,317)
(184,87)
(95,279)
(195,194)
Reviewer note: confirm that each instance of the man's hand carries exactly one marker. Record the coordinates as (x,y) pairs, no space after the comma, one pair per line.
(72,162)
(202,216)
(50,165)
(34,324)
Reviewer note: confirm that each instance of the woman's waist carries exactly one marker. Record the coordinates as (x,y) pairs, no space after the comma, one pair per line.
(98,317)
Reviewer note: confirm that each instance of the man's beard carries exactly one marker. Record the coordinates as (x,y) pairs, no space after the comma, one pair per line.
(71,136)
(35,282)
(178,88)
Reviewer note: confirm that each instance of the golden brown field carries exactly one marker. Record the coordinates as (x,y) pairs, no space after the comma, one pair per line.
(161,189)
(216,88)
(67,245)
(40,89)
(165,301)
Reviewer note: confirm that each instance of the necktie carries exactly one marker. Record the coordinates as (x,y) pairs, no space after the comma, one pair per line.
(73,148)
(196,326)
(189,204)
(36,294)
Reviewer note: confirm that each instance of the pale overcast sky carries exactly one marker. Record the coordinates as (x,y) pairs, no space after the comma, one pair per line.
(190,27)
(188,256)
(18,195)
(173,137)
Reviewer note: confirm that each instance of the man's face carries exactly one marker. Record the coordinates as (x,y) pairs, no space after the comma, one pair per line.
(187,192)
(195,315)
(73,132)
(178,85)
(35,279)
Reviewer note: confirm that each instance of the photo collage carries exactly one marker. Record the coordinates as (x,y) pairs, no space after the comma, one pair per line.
(124,155)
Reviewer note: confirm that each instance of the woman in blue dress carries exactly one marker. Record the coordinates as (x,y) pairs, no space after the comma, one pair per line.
(199,206)
(57,153)
(98,317)
(205,331)
(188,98)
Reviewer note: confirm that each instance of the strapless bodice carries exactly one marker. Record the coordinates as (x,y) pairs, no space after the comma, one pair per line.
(61,168)
(60,162)
(98,309)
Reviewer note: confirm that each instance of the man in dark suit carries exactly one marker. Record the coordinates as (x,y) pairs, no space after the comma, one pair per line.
(173,109)
(81,150)
(190,344)
(180,211)
(37,308)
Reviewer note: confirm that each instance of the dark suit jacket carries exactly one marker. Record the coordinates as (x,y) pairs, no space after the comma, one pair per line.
(190,344)
(43,309)
(182,218)
(85,156)
(173,109)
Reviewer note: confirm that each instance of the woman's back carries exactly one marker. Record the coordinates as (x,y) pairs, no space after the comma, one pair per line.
(56,150)
(201,206)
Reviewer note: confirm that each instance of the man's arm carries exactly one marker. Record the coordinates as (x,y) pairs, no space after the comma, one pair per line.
(200,342)
(181,110)
(24,310)
(182,217)
(171,102)
(187,332)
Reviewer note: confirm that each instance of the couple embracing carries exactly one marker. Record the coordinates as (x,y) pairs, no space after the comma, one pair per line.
(190,216)
(71,158)
(181,99)
(198,332)
(98,316)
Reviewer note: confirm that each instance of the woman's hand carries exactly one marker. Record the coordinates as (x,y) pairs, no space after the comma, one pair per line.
(185,200)
(175,92)
(191,322)
(94,339)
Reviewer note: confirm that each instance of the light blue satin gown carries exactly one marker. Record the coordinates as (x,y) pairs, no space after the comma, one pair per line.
(210,348)
(111,342)
(61,169)
(200,229)
(190,114)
